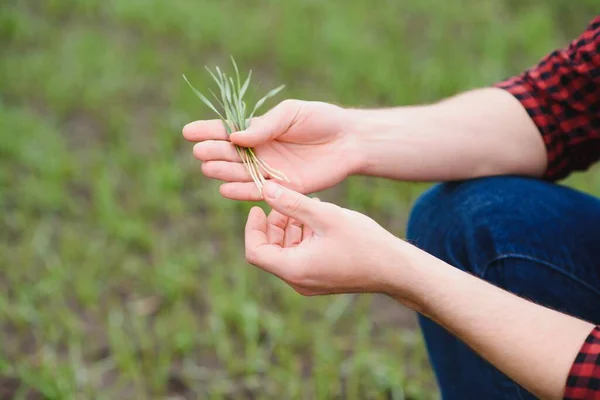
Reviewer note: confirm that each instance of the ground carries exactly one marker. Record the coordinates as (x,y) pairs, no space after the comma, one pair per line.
(121,268)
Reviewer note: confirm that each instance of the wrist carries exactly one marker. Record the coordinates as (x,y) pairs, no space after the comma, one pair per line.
(377,144)
(356,128)
(419,280)
(404,275)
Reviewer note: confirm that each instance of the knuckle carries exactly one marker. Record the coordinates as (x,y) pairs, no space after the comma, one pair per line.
(290,108)
(289,104)
(330,213)
(206,168)
(257,121)
(212,169)
(197,151)
(295,203)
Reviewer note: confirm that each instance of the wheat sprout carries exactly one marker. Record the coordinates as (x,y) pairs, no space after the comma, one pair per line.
(234,118)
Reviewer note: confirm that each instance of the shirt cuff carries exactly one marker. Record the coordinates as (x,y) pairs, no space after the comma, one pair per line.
(583,381)
(540,112)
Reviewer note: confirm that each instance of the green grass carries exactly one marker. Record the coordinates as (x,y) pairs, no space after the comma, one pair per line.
(121,269)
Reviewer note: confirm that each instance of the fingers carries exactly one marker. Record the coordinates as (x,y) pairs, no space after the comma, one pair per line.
(216,150)
(269,126)
(226,171)
(256,228)
(199,131)
(298,206)
(259,252)
(276,224)
(284,231)
(261,130)
(307,232)
(293,233)
(244,191)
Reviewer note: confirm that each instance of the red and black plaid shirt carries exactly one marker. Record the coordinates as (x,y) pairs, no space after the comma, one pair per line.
(562,96)
(584,379)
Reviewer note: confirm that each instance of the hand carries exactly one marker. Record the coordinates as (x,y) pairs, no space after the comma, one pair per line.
(320,248)
(305,140)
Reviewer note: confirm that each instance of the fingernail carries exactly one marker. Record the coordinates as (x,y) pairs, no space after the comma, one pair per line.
(272,190)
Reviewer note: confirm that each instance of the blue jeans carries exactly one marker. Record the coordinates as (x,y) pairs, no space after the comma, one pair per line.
(535,239)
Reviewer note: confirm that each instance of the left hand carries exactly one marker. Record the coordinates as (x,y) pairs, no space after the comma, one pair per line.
(320,248)
(311,142)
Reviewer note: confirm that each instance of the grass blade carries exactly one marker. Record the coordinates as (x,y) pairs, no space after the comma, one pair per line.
(227,127)
(237,103)
(221,84)
(265,98)
(237,73)
(221,76)
(235,108)
(226,100)
(246,120)
(232,110)
(211,74)
(246,84)
(227,90)
(217,98)
(202,97)
(236,99)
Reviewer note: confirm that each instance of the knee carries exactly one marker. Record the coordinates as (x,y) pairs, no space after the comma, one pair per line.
(460,222)
(426,207)
(433,216)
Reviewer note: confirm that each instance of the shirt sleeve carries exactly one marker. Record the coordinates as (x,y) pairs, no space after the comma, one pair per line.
(562,96)
(583,381)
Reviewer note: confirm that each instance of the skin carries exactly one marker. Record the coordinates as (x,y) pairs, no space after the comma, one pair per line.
(317,145)
(305,140)
(319,248)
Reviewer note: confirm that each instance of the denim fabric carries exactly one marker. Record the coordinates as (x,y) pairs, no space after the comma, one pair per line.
(536,239)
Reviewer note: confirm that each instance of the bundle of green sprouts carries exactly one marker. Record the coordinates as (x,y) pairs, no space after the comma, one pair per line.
(235,117)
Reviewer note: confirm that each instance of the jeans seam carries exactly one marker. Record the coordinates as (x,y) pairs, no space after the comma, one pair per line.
(539,261)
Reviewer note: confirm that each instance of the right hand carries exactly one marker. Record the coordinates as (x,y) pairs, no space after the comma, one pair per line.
(305,140)
(319,248)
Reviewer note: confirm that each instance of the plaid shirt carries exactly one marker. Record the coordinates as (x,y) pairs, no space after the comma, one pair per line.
(584,378)
(561,94)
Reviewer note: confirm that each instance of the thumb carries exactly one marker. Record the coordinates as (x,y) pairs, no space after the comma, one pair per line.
(266,127)
(296,205)
(261,130)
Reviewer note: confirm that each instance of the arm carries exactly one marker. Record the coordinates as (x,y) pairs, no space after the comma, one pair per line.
(532,344)
(319,248)
(477,133)
(544,122)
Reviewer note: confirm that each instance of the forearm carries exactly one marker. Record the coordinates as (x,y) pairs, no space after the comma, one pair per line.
(482,132)
(532,344)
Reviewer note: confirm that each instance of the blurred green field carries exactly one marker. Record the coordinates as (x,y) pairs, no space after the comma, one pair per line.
(121,268)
